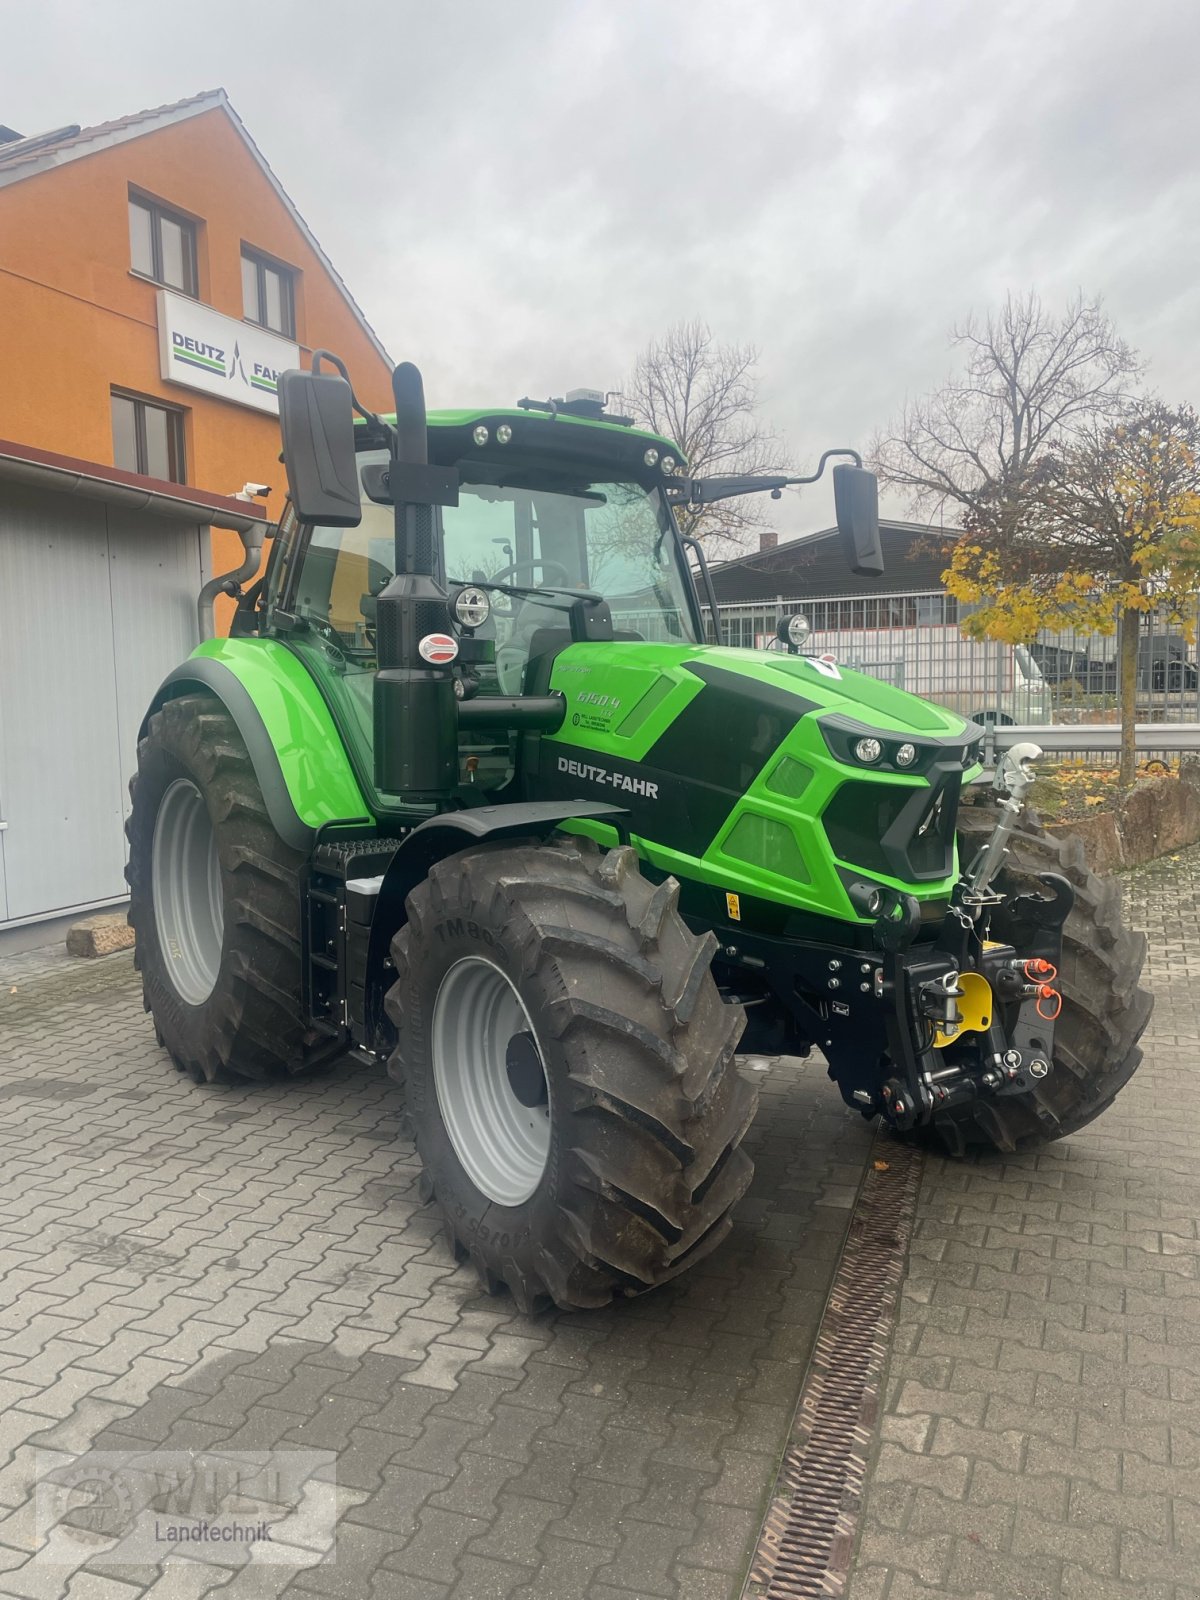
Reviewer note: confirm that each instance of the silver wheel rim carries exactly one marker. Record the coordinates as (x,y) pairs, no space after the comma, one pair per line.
(186,884)
(484,1051)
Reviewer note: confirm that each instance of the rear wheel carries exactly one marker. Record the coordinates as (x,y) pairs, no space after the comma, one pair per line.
(568,1069)
(1105,1010)
(214,900)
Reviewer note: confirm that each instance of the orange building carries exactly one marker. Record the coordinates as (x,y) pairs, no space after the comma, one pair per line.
(154,277)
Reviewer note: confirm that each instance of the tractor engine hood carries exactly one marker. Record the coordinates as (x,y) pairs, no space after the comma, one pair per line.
(748,769)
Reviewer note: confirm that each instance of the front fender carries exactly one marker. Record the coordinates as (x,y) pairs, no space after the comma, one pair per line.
(445,835)
(296,751)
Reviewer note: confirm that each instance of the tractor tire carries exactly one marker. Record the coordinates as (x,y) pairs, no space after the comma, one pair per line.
(1104,1011)
(568,1069)
(214,901)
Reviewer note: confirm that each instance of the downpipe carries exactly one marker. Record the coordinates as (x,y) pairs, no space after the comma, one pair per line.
(230,583)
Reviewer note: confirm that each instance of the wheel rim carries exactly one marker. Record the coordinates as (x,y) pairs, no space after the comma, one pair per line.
(186,883)
(492,1088)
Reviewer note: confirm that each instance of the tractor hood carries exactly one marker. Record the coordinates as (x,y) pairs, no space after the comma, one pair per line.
(744,756)
(614,689)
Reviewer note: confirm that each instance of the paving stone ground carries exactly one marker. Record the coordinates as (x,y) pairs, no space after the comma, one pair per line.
(189,1269)
(1041,1436)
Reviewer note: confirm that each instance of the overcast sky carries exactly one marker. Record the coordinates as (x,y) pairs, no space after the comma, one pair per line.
(521,195)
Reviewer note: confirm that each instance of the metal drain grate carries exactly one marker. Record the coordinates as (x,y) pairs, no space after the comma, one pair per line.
(808,1534)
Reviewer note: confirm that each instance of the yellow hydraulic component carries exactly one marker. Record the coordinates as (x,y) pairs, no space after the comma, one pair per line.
(976,1005)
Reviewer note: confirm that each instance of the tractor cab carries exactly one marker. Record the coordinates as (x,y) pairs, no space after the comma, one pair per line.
(437,565)
(548,510)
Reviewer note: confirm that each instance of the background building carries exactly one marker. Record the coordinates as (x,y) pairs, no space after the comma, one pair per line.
(814,567)
(154,279)
(904,627)
(154,276)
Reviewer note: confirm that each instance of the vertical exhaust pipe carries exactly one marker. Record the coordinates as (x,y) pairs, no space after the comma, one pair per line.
(415,707)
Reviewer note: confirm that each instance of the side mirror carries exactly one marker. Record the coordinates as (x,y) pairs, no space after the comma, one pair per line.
(856,502)
(316,418)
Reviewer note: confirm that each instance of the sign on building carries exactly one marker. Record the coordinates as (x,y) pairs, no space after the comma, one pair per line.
(233,360)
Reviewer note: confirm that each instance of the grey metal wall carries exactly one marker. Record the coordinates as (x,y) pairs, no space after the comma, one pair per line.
(97,603)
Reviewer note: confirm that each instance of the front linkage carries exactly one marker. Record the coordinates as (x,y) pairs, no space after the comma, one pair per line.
(974,1016)
(915,1026)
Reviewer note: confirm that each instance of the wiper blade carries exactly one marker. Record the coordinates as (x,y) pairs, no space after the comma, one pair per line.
(502,588)
(551,590)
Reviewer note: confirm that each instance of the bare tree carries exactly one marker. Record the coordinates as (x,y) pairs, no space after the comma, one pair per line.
(689,387)
(1033,380)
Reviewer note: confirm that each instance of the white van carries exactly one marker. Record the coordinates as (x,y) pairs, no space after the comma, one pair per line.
(981,679)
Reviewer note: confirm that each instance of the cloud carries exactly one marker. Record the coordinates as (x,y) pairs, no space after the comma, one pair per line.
(521,197)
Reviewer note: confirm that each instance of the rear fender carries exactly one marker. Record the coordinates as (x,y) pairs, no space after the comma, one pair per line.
(296,751)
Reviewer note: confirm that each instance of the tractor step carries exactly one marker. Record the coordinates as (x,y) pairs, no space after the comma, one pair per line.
(339,901)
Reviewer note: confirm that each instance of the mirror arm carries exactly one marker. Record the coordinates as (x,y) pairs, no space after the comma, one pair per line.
(843,450)
(318,356)
(698,492)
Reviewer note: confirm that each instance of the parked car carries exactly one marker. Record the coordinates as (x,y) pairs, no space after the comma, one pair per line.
(1163,665)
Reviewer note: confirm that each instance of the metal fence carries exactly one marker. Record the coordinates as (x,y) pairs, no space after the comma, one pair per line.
(1063,680)
(916,642)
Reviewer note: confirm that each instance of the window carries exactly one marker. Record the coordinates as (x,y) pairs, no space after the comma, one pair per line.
(147,438)
(267,294)
(162,245)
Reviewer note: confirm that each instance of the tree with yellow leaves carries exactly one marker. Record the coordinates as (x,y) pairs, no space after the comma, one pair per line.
(1107,528)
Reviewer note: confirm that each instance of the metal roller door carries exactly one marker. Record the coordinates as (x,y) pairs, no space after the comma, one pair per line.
(97,604)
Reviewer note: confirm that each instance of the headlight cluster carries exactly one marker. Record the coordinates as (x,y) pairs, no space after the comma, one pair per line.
(481,434)
(857,746)
(667,463)
(869,750)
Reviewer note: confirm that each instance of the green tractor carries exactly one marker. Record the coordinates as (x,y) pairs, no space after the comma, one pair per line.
(467,791)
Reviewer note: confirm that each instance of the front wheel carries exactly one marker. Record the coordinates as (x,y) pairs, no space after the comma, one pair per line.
(1104,1012)
(568,1069)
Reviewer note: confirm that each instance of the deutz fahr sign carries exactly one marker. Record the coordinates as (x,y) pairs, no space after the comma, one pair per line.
(232,360)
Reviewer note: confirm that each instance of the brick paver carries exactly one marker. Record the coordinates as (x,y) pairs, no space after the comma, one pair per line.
(250,1269)
(1041,1436)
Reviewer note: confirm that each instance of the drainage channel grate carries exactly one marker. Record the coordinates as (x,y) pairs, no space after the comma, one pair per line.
(808,1534)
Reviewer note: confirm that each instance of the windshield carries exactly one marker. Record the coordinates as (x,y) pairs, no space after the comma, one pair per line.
(612,538)
(559,533)
(1030,670)
(543,534)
